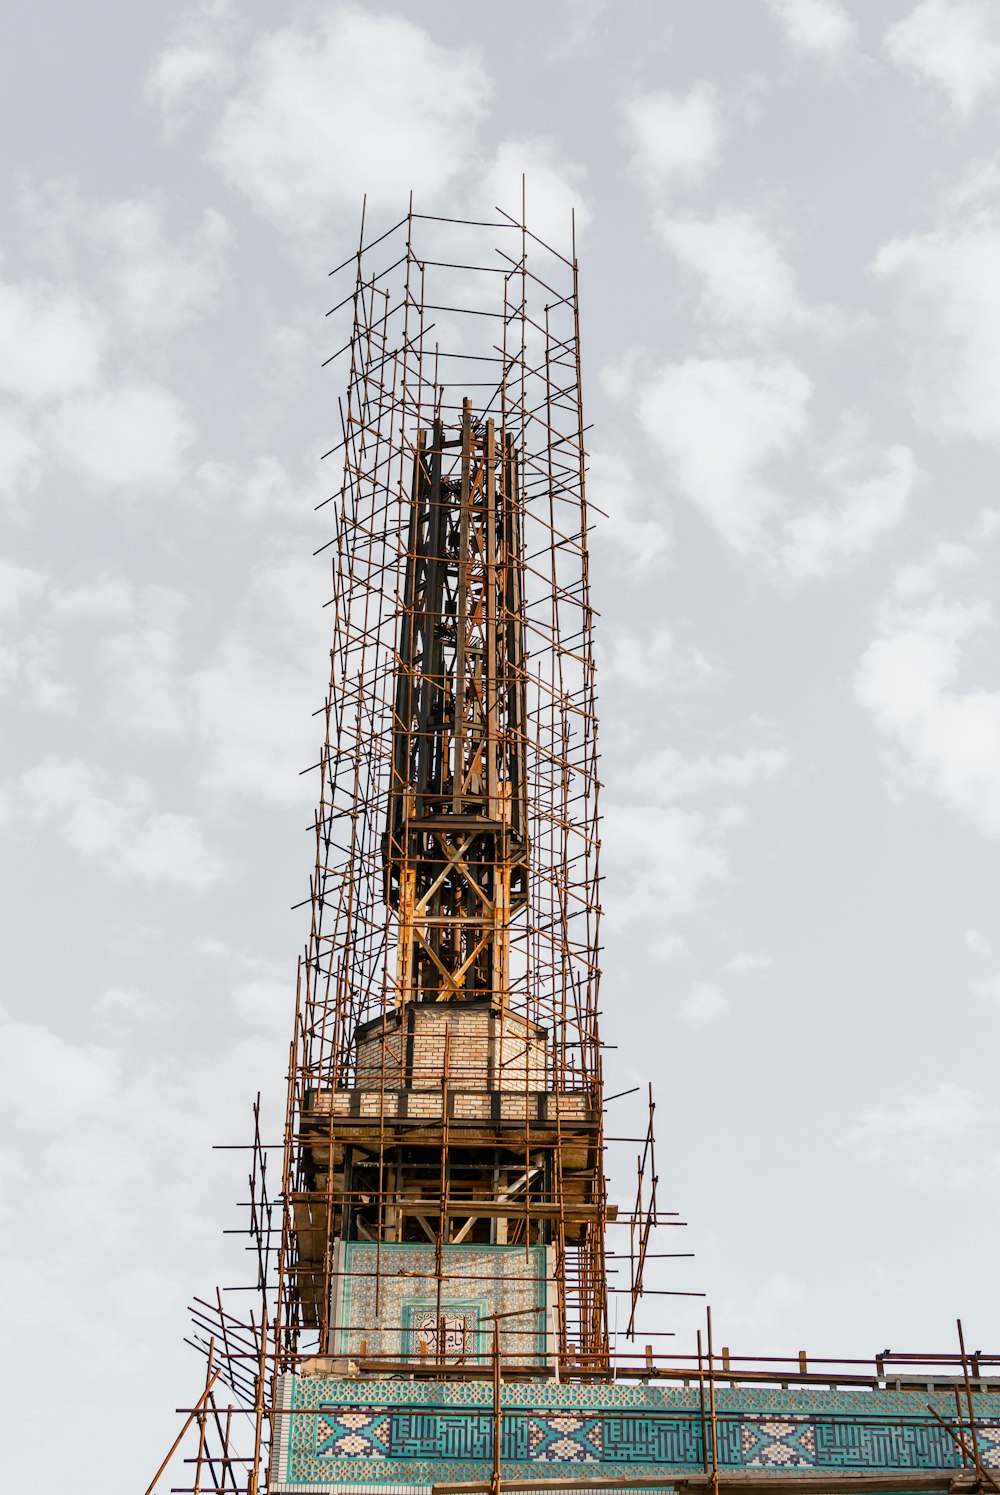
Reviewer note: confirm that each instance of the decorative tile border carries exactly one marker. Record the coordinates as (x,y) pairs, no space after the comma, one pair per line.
(380,1432)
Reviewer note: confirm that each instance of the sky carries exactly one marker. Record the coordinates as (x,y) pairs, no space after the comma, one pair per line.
(788,222)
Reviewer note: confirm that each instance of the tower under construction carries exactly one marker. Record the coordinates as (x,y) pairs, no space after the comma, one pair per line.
(431,1238)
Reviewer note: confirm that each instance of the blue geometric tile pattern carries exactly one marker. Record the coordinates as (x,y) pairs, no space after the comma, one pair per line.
(442,1435)
(778,1443)
(355,1435)
(564,1438)
(333,1432)
(880,1445)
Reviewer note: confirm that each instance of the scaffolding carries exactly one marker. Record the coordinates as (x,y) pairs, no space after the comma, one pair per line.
(444,1087)
(456,833)
(456,837)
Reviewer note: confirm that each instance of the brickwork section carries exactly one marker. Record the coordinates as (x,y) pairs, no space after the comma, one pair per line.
(369,1060)
(537,1106)
(488,1049)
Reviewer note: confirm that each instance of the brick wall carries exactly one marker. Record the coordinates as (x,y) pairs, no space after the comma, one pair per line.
(487,1049)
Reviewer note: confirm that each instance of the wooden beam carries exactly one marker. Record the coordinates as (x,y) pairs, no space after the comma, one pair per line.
(748,1482)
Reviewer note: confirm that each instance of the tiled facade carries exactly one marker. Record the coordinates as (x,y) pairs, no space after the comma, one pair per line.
(479,1280)
(412,1434)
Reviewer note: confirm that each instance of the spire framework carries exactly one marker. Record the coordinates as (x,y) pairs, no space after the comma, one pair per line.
(456,847)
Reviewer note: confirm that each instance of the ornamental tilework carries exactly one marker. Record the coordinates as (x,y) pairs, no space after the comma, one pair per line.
(773,1443)
(565,1438)
(422,1432)
(442,1435)
(882,1445)
(635,1439)
(989,1447)
(479,1280)
(355,1435)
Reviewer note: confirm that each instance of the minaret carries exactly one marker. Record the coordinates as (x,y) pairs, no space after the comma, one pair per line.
(438,1230)
(471,1167)
(457,1164)
(430,1305)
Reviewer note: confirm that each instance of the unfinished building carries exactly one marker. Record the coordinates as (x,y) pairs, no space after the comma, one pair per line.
(429,1308)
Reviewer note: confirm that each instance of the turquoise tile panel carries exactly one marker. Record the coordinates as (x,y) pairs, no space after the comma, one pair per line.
(384,1432)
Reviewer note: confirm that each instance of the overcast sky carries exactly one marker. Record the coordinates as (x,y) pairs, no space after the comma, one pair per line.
(789,232)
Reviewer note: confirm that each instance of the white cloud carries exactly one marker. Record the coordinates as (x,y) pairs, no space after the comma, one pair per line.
(677,777)
(114,824)
(181,71)
(944,728)
(746,283)
(620,378)
(941,1114)
(250,703)
(33,656)
(746,963)
(263,1000)
(666,945)
(172,848)
(19,584)
(917,579)
(254,699)
(820,27)
(52,342)
(111,597)
(124,1003)
(673,138)
(158,285)
(948,306)
(63,1102)
(662,858)
(9,665)
(140,668)
(132,436)
(198,60)
(987,986)
(148,280)
(703,1004)
(636,522)
(723,423)
(866,508)
(36,656)
(20,457)
(978,183)
(977,942)
(665,856)
(300,132)
(719,422)
(39,668)
(953,45)
(76,1078)
(628,658)
(552,190)
(265,487)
